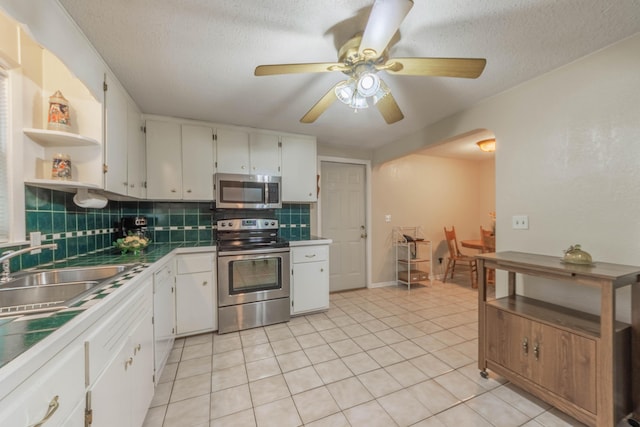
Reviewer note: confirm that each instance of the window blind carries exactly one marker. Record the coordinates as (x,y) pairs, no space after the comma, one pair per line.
(4,158)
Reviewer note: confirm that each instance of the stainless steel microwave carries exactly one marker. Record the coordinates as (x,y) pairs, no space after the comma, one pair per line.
(239,191)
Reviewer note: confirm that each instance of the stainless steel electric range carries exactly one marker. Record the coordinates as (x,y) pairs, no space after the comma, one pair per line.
(253,274)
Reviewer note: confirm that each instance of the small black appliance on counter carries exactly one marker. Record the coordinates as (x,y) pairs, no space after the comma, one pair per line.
(136,225)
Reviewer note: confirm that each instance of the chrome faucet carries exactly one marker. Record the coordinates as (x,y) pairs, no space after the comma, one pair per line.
(6,256)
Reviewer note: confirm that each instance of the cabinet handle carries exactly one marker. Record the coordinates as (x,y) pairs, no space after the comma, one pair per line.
(310,255)
(51,409)
(173,190)
(525,345)
(137,349)
(132,185)
(189,191)
(242,167)
(536,351)
(205,283)
(310,194)
(128,363)
(321,270)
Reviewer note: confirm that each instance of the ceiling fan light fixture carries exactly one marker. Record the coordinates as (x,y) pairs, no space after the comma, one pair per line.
(358,102)
(382,91)
(368,84)
(487,145)
(345,91)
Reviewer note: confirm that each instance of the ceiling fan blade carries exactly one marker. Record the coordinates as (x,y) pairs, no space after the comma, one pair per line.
(384,20)
(320,67)
(389,109)
(470,68)
(320,106)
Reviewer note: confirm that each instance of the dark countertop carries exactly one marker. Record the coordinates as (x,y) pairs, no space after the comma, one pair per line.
(21,332)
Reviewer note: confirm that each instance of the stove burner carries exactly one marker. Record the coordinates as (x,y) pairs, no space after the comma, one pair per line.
(249,233)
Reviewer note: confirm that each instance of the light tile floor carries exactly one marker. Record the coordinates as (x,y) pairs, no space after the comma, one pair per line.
(377,357)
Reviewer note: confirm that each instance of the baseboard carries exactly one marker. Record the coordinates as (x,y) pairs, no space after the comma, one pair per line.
(382,284)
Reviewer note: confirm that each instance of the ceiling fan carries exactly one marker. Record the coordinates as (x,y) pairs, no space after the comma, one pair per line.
(363,56)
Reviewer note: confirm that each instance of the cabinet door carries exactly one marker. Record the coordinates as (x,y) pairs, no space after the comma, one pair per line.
(310,287)
(115,178)
(164,160)
(136,162)
(109,400)
(197,162)
(509,341)
(195,302)
(264,154)
(299,169)
(232,151)
(140,371)
(565,363)
(163,316)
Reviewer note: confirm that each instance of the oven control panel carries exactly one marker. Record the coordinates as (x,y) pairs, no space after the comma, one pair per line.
(248,224)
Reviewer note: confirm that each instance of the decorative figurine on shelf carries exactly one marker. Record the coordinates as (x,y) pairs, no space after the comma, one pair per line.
(58,117)
(575,255)
(61,167)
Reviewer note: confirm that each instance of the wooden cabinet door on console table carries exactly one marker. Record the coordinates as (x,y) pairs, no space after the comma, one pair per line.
(562,362)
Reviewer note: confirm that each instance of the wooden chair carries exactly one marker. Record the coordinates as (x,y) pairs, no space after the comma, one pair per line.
(456,256)
(488,245)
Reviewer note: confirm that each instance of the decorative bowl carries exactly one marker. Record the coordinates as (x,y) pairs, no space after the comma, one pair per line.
(575,255)
(131,243)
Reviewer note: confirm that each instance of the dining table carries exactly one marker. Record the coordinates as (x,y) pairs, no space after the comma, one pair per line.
(472,244)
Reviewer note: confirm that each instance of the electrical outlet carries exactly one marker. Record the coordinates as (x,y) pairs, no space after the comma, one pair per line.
(387,218)
(520,222)
(35,239)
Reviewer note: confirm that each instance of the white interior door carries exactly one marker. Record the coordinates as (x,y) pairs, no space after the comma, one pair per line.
(343,204)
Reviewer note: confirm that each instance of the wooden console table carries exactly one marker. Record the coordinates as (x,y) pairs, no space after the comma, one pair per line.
(587,366)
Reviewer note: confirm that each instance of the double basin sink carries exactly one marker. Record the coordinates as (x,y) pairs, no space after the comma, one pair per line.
(51,290)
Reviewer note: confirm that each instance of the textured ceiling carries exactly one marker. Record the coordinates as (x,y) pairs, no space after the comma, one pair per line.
(195,58)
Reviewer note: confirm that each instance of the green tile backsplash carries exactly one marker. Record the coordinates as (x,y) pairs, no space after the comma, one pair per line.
(78,230)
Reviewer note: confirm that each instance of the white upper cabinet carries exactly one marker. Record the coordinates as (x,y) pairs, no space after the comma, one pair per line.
(299,169)
(264,154)
(136,162)
(244,153)
(232,150)
(197,160)
(116,156)
(164,160)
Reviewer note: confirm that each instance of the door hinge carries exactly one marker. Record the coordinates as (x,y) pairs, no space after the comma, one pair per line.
(153,320)
(105,86)
(105,168)
(88,417)
(173,330)
(291,303)
(153,378)
(279,144)
(144,129)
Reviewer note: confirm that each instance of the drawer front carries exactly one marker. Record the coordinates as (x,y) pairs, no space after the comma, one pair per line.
(62,376)
(196,263)
(110,336)
(310,253)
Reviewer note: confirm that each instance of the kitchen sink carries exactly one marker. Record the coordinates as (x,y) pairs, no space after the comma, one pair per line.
(51,290)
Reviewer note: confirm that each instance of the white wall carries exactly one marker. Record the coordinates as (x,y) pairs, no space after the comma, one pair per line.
(568,156)
(431,192)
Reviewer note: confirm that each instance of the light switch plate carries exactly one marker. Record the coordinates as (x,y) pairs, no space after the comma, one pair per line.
(520,222)
(387,218)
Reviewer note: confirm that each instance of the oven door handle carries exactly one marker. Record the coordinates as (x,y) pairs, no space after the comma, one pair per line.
(254,252)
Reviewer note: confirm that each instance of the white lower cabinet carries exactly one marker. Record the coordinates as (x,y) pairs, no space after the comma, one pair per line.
(120,387)
(309,278)
(51,393)
(196,293)
(164,319)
